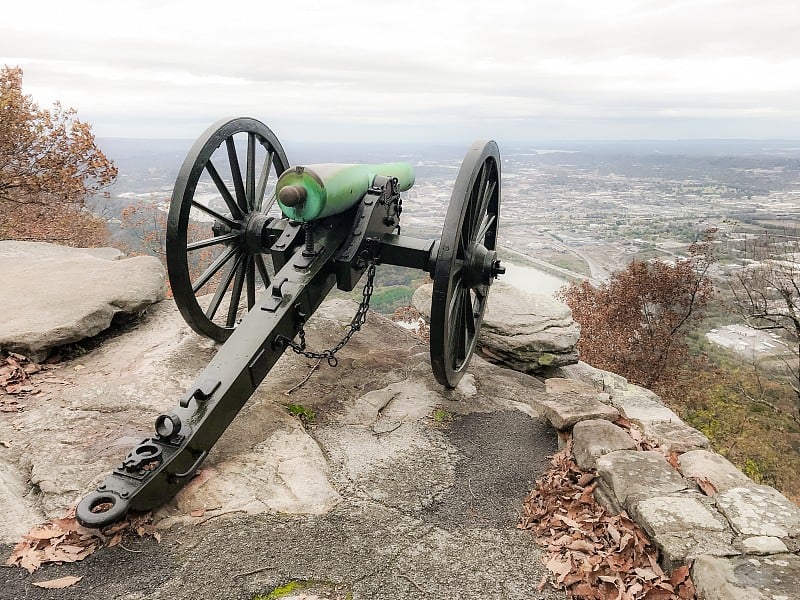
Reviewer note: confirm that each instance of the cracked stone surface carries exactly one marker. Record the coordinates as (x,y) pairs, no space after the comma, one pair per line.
(675,437)
(630,473)
(716,468)
(600,380)
(747,577)
(683,527)
(99,284)
(594,438)
(641,406)
(757,510)
(398,489)
(568,402)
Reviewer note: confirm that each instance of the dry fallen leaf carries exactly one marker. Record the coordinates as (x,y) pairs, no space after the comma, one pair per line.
(595,555)
(58,584)
(705,484)
(674,460)
(65,540)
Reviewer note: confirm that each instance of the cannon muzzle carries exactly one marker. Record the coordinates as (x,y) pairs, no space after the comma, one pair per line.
(306,193)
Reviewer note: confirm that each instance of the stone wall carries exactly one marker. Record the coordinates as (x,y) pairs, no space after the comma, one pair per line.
(742,539)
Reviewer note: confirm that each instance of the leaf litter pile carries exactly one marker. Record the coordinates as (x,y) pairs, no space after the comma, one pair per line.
(65,540)
(15,382)
(594,555)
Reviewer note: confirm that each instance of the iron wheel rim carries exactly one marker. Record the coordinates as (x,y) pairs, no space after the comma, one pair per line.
(237,266)
(458,305)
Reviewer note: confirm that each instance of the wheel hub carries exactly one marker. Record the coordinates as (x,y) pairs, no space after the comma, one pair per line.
(481,266)
(254,232)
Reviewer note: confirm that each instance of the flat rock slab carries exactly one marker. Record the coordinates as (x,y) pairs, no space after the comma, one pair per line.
(674,436)
(54,295)
(531,333)
(594,438)
(569,402)
(722,474)
(628,474)
(397,485)
(683,527)
(759,510)
(641,406)
(747,577)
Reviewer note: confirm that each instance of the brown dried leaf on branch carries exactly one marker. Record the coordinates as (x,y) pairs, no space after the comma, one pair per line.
(595,555)
(65,540)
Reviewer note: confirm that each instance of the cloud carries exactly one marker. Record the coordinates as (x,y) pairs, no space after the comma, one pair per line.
(445,68)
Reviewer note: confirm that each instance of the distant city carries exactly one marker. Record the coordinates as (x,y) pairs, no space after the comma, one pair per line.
(588,208)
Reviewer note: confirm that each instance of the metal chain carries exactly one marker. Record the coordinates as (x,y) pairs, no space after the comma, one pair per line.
(358,320)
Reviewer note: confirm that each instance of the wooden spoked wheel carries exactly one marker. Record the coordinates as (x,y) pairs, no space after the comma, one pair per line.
(466,263)
(220,207)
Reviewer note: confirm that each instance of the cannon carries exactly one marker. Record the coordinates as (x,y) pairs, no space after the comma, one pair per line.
(247,275)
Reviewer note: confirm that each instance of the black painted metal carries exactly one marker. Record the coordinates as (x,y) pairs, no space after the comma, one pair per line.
(219,392)
(466,263)
(309,259)
(238,230)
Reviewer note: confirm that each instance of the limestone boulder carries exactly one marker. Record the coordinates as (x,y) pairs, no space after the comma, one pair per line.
(531,333)
(54,295)
(747,577)
(683,526)
(594,438)
(759,510)
(626,476)
(569,402)
(723,475)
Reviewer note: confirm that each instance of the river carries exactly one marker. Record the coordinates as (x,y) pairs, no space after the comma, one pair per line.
(531,280)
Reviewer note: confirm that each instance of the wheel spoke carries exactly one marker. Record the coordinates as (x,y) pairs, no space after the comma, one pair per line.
(487,196)
(236,173)
(262,185)
(488,221)
(220,239)
(212,269)
(250,178)
(475,202)
(213,213)
(461,340)
(236,295)
(224,191)
(262,270)
(250,271)
(456,323)
(461,251)
(469,314)
(222,288)
(458,267)
(481,291)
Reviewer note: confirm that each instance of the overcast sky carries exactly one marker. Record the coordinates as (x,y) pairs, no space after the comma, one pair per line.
(417,70)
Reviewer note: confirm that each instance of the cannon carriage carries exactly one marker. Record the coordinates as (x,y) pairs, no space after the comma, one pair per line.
(254,245)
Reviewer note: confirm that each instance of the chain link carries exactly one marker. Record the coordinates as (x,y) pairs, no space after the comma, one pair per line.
(358,320)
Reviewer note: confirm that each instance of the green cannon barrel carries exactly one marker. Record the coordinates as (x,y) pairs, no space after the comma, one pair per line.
(318,191)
